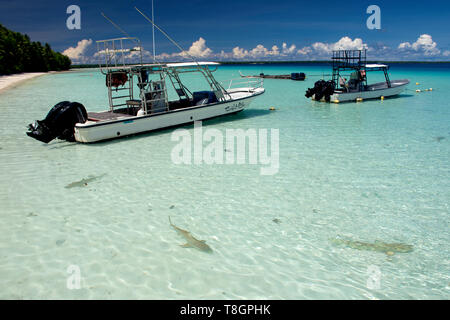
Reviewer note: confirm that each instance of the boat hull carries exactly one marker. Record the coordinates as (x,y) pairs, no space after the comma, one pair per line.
(94,132)
(375,91)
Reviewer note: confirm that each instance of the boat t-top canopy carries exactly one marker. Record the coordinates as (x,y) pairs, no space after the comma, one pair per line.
(355,61)
(191,64)
(376,67)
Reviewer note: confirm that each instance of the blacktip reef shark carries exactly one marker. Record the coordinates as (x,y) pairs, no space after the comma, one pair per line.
(379,246)
(191,242)
(84,182)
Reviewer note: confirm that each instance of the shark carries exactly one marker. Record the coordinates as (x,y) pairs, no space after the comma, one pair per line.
(84,182)
(379,246)
(191,242)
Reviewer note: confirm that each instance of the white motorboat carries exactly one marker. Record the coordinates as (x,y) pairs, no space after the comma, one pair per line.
(139,98)
(338,89)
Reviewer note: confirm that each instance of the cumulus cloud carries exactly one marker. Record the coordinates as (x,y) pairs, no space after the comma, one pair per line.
(163,56)
(304,51)
(423,45)
(257,52)
(79,51)
(423,48)
(288,51)
(198,49)
(260,51)
(345,43)
(239,53)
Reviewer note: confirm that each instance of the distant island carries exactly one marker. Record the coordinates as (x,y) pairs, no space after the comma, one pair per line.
(19,54)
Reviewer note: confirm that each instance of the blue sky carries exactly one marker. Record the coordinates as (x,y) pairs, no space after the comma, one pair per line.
(243,30)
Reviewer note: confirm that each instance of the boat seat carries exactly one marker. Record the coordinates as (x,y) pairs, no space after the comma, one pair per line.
(133,103)
(354,85)
(155,102)
(203,97)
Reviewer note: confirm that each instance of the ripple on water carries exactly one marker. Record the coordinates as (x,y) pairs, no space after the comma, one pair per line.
(369,172)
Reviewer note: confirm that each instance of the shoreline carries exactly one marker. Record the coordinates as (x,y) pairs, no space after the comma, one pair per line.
(11,81)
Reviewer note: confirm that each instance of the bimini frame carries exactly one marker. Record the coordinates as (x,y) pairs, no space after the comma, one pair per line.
(121,77)
(355,60)
(120,74)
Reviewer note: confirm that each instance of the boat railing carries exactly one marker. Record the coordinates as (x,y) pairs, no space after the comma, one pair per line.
(118,53)
(249,83)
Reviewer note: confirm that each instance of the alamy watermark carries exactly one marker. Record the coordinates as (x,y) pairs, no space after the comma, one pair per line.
(74,20)
(74,279)
(220,148)
(374,20)
(374,278)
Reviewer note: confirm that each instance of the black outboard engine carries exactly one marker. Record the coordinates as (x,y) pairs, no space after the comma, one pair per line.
(59,122)
(321,89)
(317,88)
(329,91)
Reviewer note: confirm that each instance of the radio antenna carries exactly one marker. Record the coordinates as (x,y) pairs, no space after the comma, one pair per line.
(119,28)
(133,39)
(168,37)
(154,49)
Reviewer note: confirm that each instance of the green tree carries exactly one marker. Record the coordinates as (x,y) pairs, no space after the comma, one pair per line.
(19,54)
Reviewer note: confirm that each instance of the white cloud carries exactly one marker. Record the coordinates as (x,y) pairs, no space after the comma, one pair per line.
(239,53)
(423,48)
(260,51)
(78,52)
(198,49)
(423,45)
(305,51)
(288,51)
(321,50)
(345,43)
(163,56)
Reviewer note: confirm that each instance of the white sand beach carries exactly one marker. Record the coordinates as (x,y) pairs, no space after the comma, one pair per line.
(14,79)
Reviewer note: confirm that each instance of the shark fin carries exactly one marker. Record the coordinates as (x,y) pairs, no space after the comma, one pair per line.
(186,245)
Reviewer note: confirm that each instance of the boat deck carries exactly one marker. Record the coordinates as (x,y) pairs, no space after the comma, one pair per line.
(106,115)
(376,86)
(132,111)
(232,94)
(113,115)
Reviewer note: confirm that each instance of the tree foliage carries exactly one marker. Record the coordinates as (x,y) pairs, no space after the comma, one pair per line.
(19,54)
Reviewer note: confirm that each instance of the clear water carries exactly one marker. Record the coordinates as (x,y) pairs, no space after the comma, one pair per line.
(365,172)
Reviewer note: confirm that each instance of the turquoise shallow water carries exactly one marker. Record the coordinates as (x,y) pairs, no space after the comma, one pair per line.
(365,172)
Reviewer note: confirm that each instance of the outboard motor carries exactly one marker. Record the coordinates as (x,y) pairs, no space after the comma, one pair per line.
(321,89)
(329,90)
(59,122)
(317,88)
